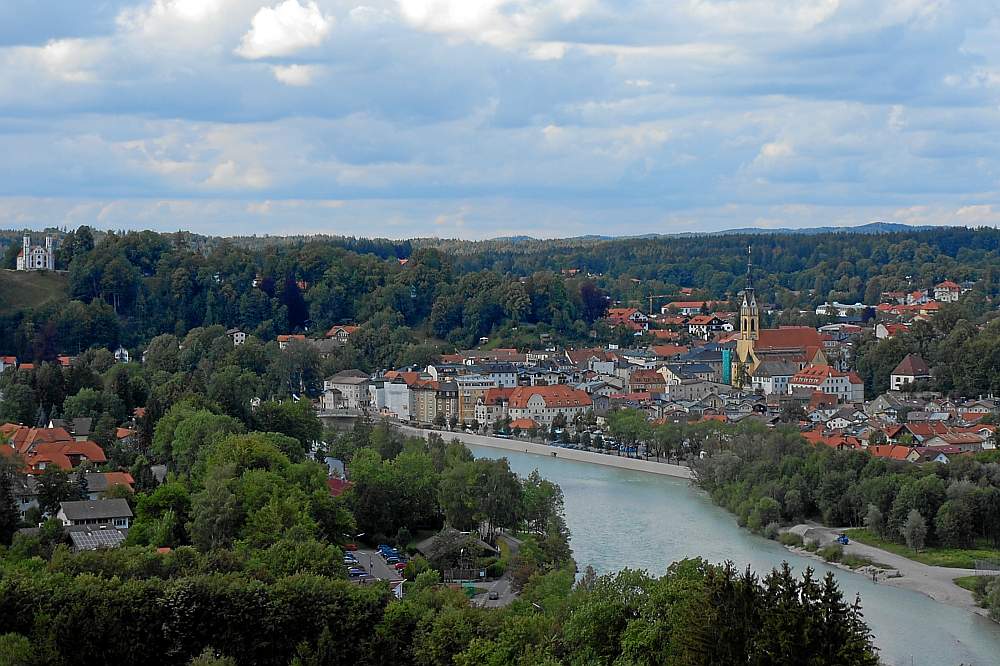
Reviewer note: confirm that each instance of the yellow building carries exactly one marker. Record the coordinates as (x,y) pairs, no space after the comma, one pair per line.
(745,360)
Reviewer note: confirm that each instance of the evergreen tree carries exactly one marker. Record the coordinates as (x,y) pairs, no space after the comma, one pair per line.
(10,517)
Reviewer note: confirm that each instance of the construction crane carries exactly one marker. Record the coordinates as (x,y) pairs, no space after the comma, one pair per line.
(650,311)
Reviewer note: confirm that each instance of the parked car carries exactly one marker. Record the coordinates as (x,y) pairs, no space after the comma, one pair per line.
(351,546)
(356,572)
(494,595)
(399,566)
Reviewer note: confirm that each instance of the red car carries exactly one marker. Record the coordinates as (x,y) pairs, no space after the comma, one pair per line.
(399,566)
(351,546)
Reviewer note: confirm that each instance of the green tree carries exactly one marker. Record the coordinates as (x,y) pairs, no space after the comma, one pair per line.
(915,530)
(54,487)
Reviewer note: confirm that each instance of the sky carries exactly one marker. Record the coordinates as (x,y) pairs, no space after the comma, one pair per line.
(485,118)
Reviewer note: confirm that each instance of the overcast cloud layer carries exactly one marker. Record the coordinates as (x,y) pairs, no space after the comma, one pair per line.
(482,118)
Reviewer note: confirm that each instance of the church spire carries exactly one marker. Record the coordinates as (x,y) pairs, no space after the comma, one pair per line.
(749,266)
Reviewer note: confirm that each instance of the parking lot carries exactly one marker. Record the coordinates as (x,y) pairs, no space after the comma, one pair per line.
(372,562)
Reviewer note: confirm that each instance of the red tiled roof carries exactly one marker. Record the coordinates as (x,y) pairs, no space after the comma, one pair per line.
(912,366)
(949,285)
(495,396)
(556,396)
(891,451)
(815,375)
(286,338)
(523,424)
(646,377)
(700,320)
(788,337)
(666,335)
(338,486)
(667,351)
(409,378)
(336,329)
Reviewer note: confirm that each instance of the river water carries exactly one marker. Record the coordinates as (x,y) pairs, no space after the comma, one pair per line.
(621,518)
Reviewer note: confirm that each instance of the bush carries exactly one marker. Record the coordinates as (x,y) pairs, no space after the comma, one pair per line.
(811,545)
(790,539)
(771,531)
(832,553)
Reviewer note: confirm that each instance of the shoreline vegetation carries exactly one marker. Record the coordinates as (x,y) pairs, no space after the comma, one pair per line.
(925,524)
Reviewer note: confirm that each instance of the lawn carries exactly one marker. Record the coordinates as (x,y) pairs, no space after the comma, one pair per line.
(968,582)
(959,558)
(30,289)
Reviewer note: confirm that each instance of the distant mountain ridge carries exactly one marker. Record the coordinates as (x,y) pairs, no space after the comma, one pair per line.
(870,228)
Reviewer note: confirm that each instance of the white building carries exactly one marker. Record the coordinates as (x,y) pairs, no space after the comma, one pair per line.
(346,390)
(846,386)
(911,369)
(542,404)
(37,257)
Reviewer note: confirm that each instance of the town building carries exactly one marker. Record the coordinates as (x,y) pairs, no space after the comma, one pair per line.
(543,403)
(947,292)
(845,386)
(346,390)
(911,369)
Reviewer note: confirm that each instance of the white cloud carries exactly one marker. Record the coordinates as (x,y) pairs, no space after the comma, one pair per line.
(284,29)
(296,75)
(504,23)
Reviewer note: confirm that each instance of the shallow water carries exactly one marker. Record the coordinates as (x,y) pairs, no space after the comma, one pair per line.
(620,518)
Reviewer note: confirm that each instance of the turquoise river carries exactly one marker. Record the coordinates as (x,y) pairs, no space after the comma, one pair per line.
(621,518)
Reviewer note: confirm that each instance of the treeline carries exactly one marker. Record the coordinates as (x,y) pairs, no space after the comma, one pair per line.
(773,476)
(203,614)
(130,287)
(834,266)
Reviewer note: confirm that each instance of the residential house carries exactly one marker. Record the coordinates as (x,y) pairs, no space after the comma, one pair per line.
(687,308)
(846,386)
(772,377)
(493,405)
(706,326)
(911,369)
(947,292)
(341,333)
(471,389)
(111,512)
(284,340)
(630,317)
(99,483)
(966,442)
(346,390)
(647,381)
(237,336)
(8,363)
(884,331)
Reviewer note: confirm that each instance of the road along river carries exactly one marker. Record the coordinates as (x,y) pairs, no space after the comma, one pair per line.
(627,518)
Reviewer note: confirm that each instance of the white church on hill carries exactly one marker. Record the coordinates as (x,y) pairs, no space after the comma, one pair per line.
(36,257)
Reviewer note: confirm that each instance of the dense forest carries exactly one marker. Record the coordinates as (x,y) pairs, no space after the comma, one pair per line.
(412,296)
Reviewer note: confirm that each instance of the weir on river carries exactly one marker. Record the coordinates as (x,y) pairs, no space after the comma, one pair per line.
(623,518)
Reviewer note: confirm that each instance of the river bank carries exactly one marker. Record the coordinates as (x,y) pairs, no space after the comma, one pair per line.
(938,583)
(520,446)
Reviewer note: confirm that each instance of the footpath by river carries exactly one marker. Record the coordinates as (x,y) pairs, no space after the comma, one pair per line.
(624,517)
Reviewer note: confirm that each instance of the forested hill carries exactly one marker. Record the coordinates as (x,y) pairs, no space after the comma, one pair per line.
(412,297)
